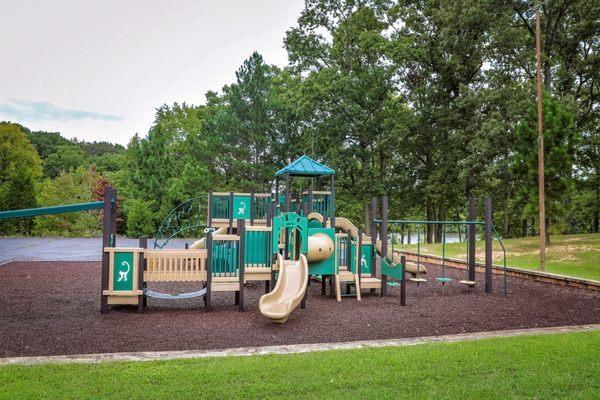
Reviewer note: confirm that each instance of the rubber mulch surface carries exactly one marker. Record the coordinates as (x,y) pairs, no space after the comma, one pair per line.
(50,308)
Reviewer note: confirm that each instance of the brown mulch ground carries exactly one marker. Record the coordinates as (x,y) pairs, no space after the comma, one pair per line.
(49,308)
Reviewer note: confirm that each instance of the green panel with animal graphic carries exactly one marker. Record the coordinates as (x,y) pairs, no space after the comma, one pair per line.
(366,258)
(123,272)
(241,207)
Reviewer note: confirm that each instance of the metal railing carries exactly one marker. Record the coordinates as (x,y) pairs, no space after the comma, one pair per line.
(188,218)
(61,209)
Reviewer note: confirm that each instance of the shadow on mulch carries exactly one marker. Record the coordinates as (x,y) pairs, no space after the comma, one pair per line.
(52,308)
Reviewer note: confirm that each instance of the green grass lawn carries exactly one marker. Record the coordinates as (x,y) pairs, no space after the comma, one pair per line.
(542,367)
(573,255)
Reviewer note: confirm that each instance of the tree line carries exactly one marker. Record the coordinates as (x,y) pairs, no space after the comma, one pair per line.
(429,102)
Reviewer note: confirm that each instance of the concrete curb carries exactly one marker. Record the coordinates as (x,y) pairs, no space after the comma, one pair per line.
(287,349)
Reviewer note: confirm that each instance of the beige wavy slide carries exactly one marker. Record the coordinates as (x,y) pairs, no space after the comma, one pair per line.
(289,289)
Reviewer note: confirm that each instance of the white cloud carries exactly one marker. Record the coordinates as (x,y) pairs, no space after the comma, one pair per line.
(33,111)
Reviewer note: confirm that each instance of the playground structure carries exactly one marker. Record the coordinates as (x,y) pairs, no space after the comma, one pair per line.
(285,241)
(277,238)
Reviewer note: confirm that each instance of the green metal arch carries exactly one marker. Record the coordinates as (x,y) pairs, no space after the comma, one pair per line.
(290,220)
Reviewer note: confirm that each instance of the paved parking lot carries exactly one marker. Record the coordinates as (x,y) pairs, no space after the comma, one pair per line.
(63,249)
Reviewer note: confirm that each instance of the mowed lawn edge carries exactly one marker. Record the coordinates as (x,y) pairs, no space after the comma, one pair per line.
(544,366)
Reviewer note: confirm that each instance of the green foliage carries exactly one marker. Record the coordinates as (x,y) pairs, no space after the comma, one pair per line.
(46,143)
(65,158)
(560,140)
(140,220)
(20,170)
(76,186)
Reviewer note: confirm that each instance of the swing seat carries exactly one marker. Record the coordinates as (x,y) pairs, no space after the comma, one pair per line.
(444,279)
(418,280)
(468,283)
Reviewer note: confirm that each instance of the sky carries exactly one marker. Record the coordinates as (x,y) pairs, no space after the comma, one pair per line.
(97,70)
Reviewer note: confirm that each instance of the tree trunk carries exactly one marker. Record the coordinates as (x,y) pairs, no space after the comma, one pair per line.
(429,227)
(506,218)
(459,232)
(547,222)
(532,226)
(438,228)
(408,237)
(524,228)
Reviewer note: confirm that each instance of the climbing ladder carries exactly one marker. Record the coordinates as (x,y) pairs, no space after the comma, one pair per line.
(343,271)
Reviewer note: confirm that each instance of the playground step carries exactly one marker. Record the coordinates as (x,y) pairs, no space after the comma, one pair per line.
(418,280)
(468,283)
(370,283)
(443,280)
(225,284)
(257,274)
(346,276)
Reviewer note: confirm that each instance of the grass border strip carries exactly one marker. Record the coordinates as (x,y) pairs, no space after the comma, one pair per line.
(287,349)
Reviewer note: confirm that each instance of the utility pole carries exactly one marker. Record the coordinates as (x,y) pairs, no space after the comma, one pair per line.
(540,143)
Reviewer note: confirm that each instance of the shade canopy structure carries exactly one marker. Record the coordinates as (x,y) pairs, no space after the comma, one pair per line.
(305,166)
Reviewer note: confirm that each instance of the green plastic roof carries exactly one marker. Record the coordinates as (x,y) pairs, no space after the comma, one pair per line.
(305,166)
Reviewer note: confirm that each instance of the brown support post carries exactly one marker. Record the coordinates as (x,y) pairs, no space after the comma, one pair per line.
(269,213)
(208,295)
(332,200)
(252,208)
(359,257)
(384,218)
(230,212)
(373,239)
(241,228)
(310,196)
(210,202)
(276,191)
(471,238)
(488,245)
(287,192)
(349,250)
(106,238)
(367,221)
(403,282)
(143,243)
